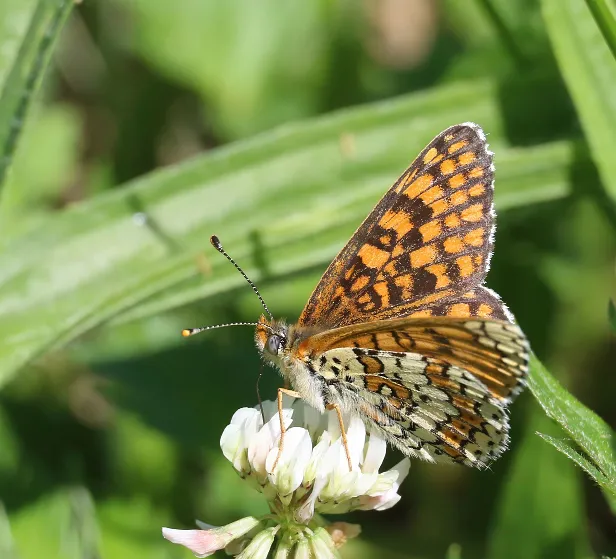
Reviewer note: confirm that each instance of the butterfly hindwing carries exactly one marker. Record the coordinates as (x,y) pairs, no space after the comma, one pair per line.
(427,409)
(428,240)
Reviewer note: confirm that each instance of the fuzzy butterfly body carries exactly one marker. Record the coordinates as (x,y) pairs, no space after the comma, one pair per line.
(400,330)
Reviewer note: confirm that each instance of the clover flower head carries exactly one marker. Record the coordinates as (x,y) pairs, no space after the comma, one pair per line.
(311,478)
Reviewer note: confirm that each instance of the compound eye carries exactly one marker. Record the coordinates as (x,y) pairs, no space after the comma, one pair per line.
(273,344)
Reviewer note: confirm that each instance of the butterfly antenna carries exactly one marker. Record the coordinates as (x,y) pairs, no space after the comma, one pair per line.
(192,331)
(218,246)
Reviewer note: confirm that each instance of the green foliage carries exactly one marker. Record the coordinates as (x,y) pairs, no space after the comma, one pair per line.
(109,421)
(588,68)
(591,441)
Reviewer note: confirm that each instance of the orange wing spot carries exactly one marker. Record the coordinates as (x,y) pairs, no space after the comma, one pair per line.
(419,314)
(458,198)
(478,260)
(430,230)
(448,166)
(459,309)
(430,155)
(485,310)
(369,306)
(467,158)
(477,190)
(360,283)
(440,271)
(452,220)
(419,185)
(465,265)
(474,237)
(385,239)
(444,382)
(373,383)
(409,177)
(339,292)
(475,173)
(372,366)
(373,257)
(402,225)
(434,369)
(453,245)
(398,221)
(382,291)
(457,146)
(462,402)
(389,270)
(431,194)
(439,207)
(423,256)
(406,283)
(365,298)
(463,428)
(473,213)
(397,251)
(349,273)
(457,181)
(448,137)
(387,219)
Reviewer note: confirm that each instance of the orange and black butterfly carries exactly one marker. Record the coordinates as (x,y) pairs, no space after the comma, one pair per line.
(400,330)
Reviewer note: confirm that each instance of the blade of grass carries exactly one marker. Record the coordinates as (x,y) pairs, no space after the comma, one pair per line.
(593,436)
(604,12)
(26,71)
(289,199)
(589,70)
(568,449)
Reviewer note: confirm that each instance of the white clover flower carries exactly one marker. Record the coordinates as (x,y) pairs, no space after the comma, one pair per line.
(311,477)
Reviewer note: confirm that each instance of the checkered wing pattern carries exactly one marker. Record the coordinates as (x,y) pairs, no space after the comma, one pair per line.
(435,388)
(426,243)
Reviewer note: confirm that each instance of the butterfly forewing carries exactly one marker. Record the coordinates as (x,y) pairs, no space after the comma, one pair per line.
(428,240)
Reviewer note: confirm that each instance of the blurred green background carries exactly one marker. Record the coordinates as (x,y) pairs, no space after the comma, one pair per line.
(278,125)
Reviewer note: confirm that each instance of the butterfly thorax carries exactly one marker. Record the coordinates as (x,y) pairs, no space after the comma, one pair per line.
(278,344)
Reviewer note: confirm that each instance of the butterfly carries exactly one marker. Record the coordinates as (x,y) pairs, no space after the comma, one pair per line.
(400,330)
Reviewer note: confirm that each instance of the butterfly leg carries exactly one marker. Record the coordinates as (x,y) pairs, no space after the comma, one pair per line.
(283,429)
(342,432)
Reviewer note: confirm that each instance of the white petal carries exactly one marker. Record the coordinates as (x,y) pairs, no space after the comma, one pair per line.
(375,453)
(241,416)
(316,465)
(403,467)
(356,436)
(289,472)
(306,511)
(263,441)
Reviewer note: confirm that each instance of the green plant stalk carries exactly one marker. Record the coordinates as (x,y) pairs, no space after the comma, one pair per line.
(26,74)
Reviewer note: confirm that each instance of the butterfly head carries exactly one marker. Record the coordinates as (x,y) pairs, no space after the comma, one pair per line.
(271,337)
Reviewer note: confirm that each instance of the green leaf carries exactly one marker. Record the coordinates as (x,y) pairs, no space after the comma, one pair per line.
(542,498)
(22,71)
(593,436)
(568,448)
(604,12)
(286,200)
(589,70)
